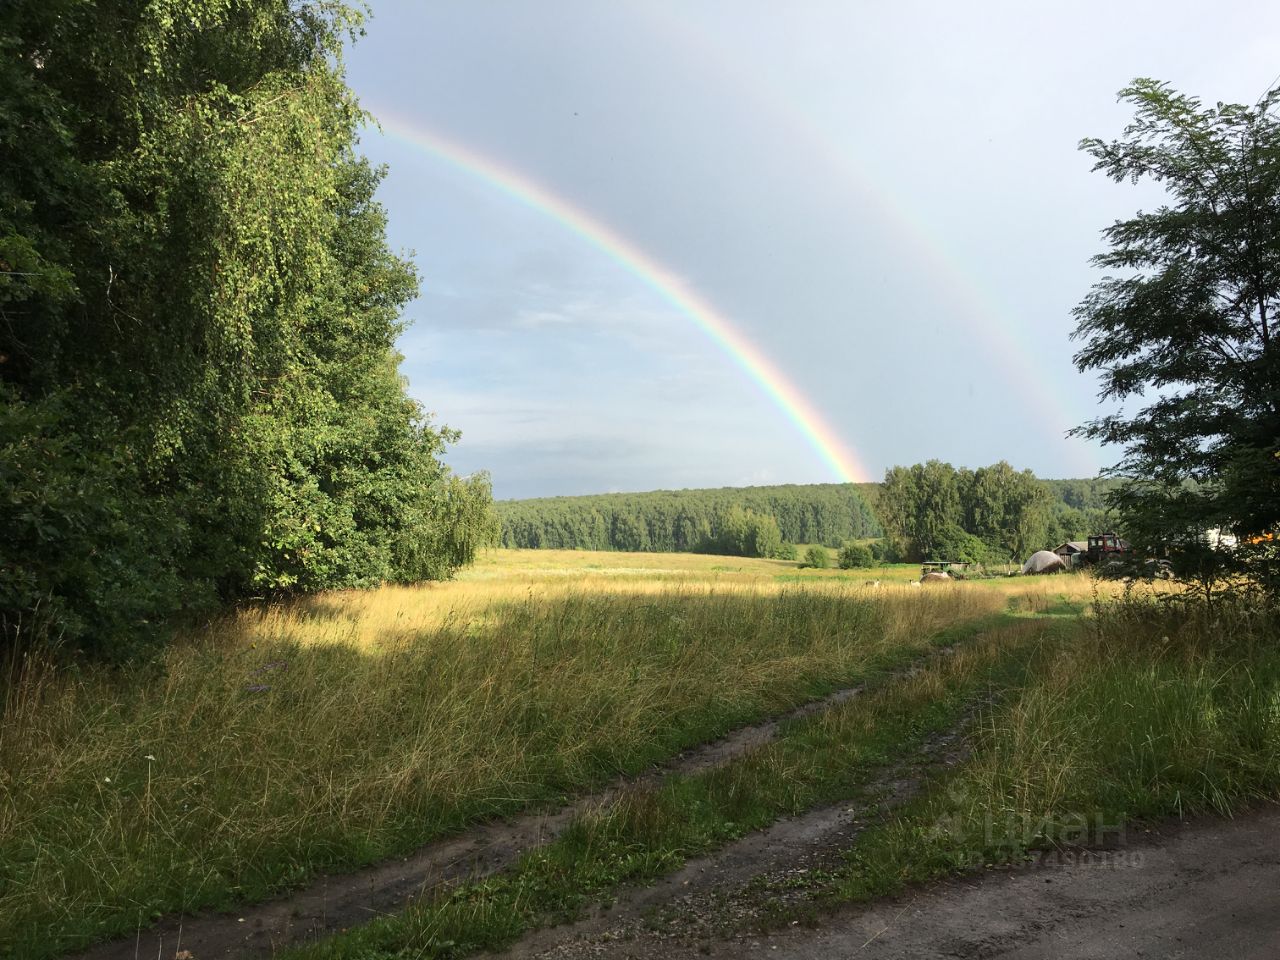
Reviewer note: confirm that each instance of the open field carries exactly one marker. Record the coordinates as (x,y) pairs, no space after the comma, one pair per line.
(343,728)
(1044,735)
(554,567)
(285,741)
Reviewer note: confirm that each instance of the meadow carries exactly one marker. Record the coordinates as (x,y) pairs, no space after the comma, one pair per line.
(342,728)
(282,741)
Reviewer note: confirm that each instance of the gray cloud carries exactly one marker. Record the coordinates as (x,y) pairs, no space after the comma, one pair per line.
(886,200)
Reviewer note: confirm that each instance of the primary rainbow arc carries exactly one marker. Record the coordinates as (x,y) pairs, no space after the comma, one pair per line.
(824,440)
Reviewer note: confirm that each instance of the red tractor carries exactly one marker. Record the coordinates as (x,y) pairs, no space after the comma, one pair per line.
(1105,548)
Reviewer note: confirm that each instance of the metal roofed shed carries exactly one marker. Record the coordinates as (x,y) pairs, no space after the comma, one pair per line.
(1072,552)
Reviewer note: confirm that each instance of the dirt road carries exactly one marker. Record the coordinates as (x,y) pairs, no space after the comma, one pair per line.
(1208,889)
(336,902)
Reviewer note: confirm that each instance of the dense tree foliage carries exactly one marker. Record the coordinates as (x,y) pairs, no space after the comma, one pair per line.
(988,514)
(744,533)
(918,505)
(935,511)
(1189,322)
(198,307)
(854,556)
(748,521)
(1079,508)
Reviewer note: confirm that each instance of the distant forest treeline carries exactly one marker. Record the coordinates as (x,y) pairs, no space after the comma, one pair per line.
(688,520)
(710,520)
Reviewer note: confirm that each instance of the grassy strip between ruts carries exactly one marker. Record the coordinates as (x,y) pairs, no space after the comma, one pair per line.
(1150,713)
(241,766)
(649,832)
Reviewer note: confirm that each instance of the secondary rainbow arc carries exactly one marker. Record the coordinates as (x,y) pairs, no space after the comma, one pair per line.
(820,435)
(978,308)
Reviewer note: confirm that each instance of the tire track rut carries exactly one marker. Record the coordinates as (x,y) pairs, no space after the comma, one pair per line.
(335,902)
(723,897)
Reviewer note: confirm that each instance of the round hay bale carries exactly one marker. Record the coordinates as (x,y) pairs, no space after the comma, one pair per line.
(1043,561)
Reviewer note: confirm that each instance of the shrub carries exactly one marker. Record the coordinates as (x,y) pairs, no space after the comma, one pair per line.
(854,556)
(817,557)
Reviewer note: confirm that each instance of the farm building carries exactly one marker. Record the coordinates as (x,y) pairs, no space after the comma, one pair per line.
(1070,549)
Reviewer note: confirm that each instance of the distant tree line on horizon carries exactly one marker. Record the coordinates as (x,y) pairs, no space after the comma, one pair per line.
(740,521)
(990,514)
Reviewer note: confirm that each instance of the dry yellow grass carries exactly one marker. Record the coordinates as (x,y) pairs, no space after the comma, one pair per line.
(390,615)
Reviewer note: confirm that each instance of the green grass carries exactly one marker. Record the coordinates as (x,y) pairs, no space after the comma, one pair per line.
(351,727)
(1088,730)
(320,735)
(1151,713)
(647,833)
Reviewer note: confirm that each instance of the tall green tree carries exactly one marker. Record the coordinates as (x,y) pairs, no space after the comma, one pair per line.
(934,511)
(919,504)
(1187,320)
(198,312)
(1006,509)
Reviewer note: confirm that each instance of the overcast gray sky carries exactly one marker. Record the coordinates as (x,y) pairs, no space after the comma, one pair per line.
(885,199)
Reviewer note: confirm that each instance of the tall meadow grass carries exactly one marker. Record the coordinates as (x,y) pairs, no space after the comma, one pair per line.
(846,751)
(288,740)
